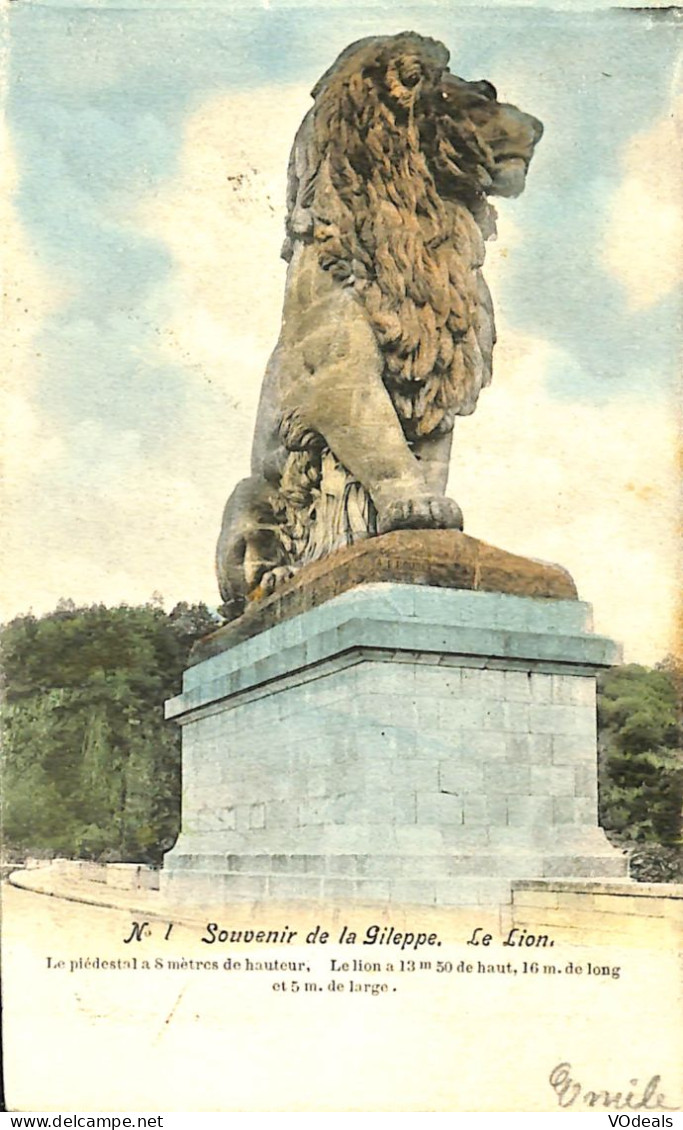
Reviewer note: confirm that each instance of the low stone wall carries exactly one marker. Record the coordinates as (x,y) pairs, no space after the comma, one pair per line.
(132,877)
(601,911)
(122,876)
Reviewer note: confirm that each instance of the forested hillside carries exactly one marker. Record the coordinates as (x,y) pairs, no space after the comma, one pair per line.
(92,770)
(641,765)
(90,767)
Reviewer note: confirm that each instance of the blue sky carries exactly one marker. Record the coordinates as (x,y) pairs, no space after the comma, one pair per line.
(123,125)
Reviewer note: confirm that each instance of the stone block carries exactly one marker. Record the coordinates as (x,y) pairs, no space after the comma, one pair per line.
(497,810)
(208,773)
(420,775)
(250,888)
(585,780)
(471,681)
(344,866)
(385,709)
(586,810)
(669,906)
(486,745)
(123,876)
(532,748)
(510,717)
(332,747)
(148,879)
(391,807)
(257,816)
(507,778)
(96,872)
(439,808)
(541,687)
(467,891)
(530,811)
(459,837)
(598,866)
(431,681)
(210,818)
(253,864)
(375,866)
(339,890)
(275,864)
(474,810)
(546,899)
(573,690)
(552,780)
(323,810)
(568,749)
(373,890)
(620,904)
(564,810)
(485,864)
(573,721)
(418,891)
(460,714)
(427,867)
(518,686)
(460,775)
(515,838)
(387,741)
(294,887)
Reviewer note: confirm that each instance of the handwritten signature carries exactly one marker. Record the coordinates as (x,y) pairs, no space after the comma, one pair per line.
(570,1092)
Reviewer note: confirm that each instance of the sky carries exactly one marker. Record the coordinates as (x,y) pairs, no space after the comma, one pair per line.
(144,172)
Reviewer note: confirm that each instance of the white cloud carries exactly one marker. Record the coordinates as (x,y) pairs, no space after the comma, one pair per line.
(29,295)
(222,219)
(644,235)
(592,488)
(30,445)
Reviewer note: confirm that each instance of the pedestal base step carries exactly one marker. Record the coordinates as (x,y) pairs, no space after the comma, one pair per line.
(447,880)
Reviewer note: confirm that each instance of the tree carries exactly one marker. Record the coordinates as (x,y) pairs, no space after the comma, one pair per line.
(641,761)
(90,765)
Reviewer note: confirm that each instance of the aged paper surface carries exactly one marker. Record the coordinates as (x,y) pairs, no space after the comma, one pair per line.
(147,148)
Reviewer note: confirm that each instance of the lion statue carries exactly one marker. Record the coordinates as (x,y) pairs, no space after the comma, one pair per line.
(387,328)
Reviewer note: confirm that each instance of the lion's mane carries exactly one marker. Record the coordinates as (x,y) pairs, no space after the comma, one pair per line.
(364,187)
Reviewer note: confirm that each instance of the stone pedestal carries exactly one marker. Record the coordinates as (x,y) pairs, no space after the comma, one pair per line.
(397,743)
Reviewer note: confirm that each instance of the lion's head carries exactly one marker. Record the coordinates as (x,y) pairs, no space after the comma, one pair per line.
(390,176)
(490,143)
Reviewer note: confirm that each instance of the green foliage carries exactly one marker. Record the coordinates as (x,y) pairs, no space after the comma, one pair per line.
(90,766)
(641,761)
(654,863)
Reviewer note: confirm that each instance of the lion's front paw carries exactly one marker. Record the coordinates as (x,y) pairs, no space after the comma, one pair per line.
(432,512)
(274,578)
